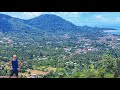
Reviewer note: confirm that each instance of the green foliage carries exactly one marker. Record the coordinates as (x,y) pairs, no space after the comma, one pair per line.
(61,72)
(111,65)
(39,43)
(108,75)
(51,74)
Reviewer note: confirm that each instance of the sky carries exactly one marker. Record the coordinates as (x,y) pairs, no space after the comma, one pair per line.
(101,19)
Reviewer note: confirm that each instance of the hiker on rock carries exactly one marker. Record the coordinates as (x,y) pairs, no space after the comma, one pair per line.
(16,66)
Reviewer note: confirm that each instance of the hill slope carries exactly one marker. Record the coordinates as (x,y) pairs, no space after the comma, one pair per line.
(46,23)
(52,23)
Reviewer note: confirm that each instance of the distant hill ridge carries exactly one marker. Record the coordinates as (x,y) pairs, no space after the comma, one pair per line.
(45,22)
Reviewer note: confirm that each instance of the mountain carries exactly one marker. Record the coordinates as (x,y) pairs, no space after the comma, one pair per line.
(8,24)
(4,23)
(52,23)
(46,23)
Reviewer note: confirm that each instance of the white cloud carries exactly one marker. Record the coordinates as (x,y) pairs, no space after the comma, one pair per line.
(60,13)
(32,14)
(75,12)
(117,19)
(99,17)
(67,14)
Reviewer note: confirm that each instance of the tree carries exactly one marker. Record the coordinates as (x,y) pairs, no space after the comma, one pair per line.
(110,65)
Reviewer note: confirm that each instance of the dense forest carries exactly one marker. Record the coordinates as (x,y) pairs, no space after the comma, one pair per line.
(51,47)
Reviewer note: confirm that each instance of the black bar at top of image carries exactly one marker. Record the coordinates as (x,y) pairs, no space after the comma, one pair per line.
(60,5)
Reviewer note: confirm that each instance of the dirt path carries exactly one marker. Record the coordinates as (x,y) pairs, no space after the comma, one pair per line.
(38,72)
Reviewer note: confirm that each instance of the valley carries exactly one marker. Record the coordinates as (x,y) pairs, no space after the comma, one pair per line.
(51,47)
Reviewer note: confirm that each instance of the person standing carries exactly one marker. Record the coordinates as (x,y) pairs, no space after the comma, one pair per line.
(16,66)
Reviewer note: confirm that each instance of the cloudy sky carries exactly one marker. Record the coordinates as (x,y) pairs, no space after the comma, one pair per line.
(79,18)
